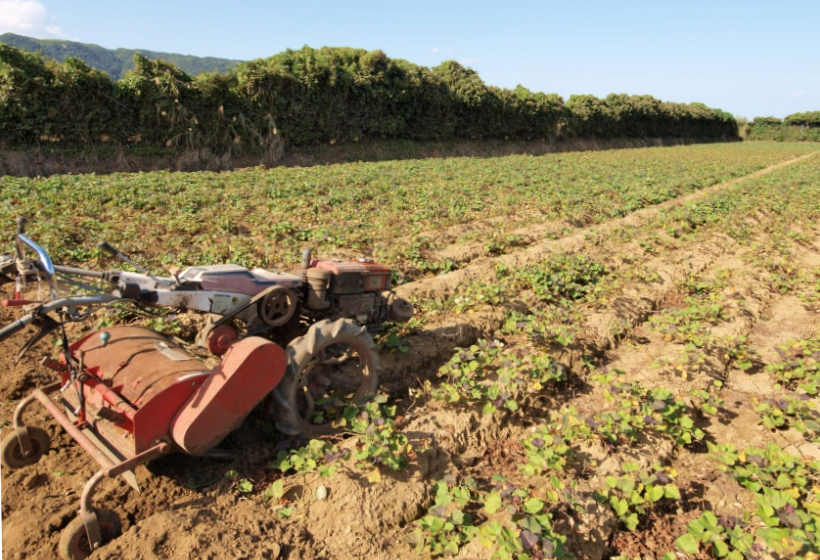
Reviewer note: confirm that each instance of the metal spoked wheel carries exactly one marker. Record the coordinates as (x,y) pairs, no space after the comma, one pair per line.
(74,543)
(11,454)
(335,362)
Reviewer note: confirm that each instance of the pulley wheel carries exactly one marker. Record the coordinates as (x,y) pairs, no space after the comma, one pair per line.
(277,306)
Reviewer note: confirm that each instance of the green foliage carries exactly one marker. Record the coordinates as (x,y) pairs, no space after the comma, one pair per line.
(630,496)
(527,533)
(547,451)
(484,374)
(317,456)
(380,442)
(636,408)
(727,538)
(314,96)
(707,400)
(354,207)
(787,492)
(475,294)
(798,412)
(642,116)
(799,366)
(794,128)
(810,119)
(691,323)
(565,276)
(446,527)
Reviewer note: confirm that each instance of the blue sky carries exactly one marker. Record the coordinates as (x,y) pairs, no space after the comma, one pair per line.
(750,58)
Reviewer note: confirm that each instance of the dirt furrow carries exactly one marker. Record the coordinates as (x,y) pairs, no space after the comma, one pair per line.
(483,268)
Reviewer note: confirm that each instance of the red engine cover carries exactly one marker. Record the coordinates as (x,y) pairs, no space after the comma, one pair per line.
(376,276)
(249,371)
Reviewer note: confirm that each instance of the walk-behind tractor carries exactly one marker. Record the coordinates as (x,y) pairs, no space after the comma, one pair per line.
(129,395)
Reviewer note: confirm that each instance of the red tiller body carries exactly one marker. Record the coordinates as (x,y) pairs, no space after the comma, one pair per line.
(141,388)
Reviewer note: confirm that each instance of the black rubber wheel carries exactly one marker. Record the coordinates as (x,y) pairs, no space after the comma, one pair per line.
(11,455)
(333,359)
(74,543)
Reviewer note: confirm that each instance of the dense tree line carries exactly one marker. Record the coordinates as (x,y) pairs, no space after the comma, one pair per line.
(795,127)
(311,96)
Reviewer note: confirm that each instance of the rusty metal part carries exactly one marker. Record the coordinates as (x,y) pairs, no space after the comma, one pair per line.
(318,281)
(137,363)
(45,325)
(17,418)
(401,311)
(136,383)
(41,395)
(220,339)
(89,517)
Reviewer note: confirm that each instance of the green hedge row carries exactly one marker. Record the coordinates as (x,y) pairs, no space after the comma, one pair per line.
(312,96)
(798,127)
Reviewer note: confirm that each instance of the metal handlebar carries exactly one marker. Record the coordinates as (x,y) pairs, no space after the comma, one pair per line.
(45,261)
(15,326)
(49,306)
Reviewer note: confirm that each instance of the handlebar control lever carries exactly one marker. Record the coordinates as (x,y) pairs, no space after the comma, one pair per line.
(106,246)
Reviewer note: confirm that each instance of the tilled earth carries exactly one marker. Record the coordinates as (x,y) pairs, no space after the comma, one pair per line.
(187,508)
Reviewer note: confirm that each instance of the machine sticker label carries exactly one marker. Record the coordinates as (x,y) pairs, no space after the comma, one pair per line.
(220,304)
(172,353)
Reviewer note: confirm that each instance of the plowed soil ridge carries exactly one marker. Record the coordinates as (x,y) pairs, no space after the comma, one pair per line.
(482,268)
(172,519)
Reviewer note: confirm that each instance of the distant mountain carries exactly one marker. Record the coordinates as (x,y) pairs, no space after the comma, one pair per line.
(115,62)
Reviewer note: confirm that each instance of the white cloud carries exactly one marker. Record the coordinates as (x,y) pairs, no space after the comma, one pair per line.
(468,61)
(798,94)
(27,17)
(436,49)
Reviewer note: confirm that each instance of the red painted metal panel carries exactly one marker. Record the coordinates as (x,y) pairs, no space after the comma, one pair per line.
(154,418)
(248,372)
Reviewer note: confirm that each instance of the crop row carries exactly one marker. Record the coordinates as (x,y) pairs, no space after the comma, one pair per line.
(521,511)
(264,217)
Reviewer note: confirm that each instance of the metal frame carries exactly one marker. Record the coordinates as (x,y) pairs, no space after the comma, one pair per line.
(109,468)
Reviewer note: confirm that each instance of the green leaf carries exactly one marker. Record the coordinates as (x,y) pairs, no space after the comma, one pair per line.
(493,503)
(671,491)
(720,548)
(275,491)
(534,505)
(620,506)
(687,544)
(627,485)
(656,493)
(710,518)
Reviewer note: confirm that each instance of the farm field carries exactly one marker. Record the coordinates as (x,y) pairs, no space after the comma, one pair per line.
(615,354)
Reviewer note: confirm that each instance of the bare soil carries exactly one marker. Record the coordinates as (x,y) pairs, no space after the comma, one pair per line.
(188,509)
